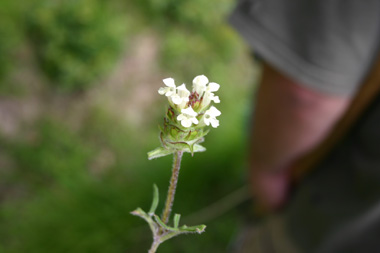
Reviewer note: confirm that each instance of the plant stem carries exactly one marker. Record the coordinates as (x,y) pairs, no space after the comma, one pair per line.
(169,200)
(154,247)
(172,187)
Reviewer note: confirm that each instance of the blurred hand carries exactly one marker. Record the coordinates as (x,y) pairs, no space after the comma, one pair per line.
(270,189)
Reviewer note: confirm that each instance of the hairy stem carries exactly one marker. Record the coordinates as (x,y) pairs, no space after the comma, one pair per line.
(172,187)
(169,201)
(154,247)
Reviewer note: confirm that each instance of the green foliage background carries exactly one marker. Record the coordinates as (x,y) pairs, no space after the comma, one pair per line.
(52,197)
(76,41)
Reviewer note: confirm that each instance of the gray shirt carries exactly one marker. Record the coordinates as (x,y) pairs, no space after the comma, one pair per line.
(327,45)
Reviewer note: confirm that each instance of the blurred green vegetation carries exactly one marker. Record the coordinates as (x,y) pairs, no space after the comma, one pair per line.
(76,41)
(70,187)
(195,37)
(10,36)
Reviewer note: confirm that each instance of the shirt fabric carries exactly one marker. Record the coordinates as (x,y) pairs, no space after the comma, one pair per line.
(327,45)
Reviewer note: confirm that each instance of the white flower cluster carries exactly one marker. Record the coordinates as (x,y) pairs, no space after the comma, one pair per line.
(192,105)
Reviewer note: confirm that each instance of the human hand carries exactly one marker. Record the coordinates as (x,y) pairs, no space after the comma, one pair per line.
(270,189)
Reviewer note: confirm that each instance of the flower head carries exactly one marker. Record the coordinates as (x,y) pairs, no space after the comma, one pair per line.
(188,114)
(170,90)
(188,117)
(210,117)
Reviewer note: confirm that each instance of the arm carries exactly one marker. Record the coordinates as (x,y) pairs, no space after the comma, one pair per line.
(290,119)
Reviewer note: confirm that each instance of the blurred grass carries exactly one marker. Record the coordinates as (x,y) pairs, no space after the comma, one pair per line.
(70,189)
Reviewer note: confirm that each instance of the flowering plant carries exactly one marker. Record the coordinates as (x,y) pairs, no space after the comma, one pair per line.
(185,126)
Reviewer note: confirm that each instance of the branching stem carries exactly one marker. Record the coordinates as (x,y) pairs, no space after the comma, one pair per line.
(154,247)
(169,200)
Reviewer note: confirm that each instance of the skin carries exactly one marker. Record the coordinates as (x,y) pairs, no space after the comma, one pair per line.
(290,119)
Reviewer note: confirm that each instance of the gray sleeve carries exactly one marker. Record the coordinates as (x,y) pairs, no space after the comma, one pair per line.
(327,45)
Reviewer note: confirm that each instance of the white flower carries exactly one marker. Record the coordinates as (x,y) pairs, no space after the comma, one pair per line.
(182,96)
(170,90)
(210,117)
(208,97)
(188,117)
(199,84)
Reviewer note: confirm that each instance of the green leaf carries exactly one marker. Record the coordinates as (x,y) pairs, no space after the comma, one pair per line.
(194,229)
(184,229)
(198,148)
(161,129)
(159,152)
(192,135)
(153,226)
(159,221)
(154,205)
(191,148)
(139,212)
(176,220)
(179,145)
(204,133)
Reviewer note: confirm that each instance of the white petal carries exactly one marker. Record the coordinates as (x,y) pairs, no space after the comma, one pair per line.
(189,111)
(213,111)
(181,117)
(213,87)
(206,120)
(183,92)
(182,87)
(195,120)
(169,93)
(162,91)
(169,82)
(199,84)
(216,99)
(200,80)
(186,123)
(176,99)
(214,123)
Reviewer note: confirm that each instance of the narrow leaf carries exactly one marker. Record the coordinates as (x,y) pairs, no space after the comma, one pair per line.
(139,212)
(191,147)
(153,226)
(198,148)
(176,220)
(154,205)
(159,152)
(204,133)
(194,229)
(159,221)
